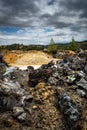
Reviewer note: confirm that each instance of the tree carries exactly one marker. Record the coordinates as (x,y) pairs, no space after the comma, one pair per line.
(73,45)
(52,47)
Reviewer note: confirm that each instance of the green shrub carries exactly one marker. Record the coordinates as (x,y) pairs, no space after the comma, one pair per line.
(52,47)
(73,45)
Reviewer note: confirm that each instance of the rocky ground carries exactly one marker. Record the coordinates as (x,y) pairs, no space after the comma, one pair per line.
(52,97)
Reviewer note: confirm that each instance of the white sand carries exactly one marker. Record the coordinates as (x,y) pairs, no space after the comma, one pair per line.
(24,67)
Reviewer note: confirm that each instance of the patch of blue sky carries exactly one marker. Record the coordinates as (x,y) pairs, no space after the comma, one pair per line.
(9,30)
(47,30)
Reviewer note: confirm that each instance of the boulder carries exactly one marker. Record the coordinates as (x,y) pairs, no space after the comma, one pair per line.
(18,111)
(85,69)
(82,84)
(11,88)
(68,108)
(7,102)
(17,75)
(39,75)
(52,81)
(22,117)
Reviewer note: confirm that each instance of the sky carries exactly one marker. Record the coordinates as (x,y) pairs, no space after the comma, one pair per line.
(37,21)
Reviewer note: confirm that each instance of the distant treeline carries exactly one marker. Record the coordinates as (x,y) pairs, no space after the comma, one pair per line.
(22,47)
(67,46)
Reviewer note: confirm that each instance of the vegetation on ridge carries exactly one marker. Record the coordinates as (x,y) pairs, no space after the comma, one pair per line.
(52,47)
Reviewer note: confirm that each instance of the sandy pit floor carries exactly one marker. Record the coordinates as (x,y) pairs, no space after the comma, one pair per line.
(30,58)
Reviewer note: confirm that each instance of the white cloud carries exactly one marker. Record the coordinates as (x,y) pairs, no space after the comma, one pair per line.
(40,21)
(39,36)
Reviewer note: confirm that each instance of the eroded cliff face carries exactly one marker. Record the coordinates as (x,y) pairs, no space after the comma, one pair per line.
(52,97)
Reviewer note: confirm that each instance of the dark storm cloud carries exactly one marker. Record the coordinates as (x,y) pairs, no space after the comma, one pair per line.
(10,10)
(53,20)
(75,5)
(84,14)
(28,12)
(20,5)
(51,2)
(66,18)
(59,25)
(81,25)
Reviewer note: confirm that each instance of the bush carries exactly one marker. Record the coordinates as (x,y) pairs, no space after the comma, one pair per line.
(73,45)
(52,47)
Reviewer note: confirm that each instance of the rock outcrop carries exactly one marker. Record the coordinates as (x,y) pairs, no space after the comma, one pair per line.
(52,97)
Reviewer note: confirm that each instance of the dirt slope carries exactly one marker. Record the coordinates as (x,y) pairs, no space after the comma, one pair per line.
(28,58)
(10,57)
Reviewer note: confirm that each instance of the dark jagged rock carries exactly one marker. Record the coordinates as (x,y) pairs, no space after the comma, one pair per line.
(3,66)
(81,92)
(46,66)
(26,100)
(2,60)
(83,84)
(30,68)
(73,87)
(18,111)
(85,69)
(11,87)
(82,54)
(52,81)
(69,109)
(7,102)
(39,75)
(22,117)
(55,74)
(2,69)
(50,97)
(60,82)
(16,75)
(56,82)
